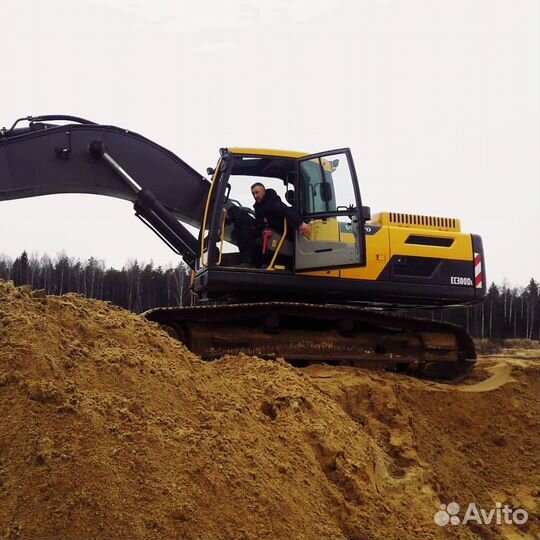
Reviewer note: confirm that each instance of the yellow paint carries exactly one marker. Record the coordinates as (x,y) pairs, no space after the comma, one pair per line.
(378,255)
(390,241)
(206,210)
(222,235)
(325,230)
(280,245)
(267,152)
(461,248)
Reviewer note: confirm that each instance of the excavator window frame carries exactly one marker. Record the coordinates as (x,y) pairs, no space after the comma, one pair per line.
(357,209)
(228,167)
(208,241)
(218,190)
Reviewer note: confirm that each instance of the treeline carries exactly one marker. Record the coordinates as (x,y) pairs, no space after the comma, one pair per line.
(507,312)
(137,286)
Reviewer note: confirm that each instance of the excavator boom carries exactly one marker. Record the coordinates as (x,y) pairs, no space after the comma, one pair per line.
(45,159)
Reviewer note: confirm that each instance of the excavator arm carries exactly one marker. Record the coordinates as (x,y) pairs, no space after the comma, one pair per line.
(85,157)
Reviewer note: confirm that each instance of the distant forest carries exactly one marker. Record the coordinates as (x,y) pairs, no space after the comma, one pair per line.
(507,312)
(137,287)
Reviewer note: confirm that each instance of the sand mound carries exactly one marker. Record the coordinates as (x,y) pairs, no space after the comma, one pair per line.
(110,429)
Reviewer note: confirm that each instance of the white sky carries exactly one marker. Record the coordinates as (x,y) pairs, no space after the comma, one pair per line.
(439,102)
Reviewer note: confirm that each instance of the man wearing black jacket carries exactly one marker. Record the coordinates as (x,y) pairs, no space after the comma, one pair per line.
(270,210)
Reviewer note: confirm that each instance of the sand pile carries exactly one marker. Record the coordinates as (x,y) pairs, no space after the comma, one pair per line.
(110,429)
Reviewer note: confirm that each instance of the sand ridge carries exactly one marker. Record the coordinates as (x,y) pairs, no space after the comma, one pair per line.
(111,429)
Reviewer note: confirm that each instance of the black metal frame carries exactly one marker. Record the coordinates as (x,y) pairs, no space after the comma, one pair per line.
(243,285)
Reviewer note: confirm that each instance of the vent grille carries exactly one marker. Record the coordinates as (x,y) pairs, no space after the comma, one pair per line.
(417,221)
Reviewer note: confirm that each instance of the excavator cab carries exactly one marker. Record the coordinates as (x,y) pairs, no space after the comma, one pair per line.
(321,188)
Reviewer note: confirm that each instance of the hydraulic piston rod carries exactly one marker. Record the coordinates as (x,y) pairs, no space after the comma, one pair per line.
(151,212)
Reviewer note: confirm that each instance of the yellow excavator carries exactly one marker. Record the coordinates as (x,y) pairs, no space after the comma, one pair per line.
(330,297)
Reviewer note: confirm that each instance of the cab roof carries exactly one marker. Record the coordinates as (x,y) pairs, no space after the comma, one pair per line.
(267,152)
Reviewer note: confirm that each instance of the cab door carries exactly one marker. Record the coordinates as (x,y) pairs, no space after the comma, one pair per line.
(329,200)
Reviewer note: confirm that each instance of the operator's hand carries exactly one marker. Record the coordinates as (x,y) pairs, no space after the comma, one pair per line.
(305,229)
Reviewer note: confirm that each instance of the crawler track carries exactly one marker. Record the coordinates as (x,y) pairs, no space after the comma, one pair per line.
(309,333)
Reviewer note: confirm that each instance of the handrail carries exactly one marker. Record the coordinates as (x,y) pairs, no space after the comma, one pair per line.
(222,235)
(280,245)
(206,208)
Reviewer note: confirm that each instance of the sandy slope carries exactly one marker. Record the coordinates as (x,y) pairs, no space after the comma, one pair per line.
(110,429)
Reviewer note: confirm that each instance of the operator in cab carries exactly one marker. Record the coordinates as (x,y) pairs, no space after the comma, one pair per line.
(270,211)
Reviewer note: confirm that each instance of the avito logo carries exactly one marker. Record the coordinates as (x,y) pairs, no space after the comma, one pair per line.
(448,514)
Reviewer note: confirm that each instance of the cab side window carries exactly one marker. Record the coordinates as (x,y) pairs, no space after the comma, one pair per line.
(317,188)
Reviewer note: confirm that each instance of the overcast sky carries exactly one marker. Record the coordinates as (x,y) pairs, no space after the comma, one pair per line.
(438,100)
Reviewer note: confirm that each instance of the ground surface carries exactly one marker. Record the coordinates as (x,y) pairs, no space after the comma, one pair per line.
(110,429)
